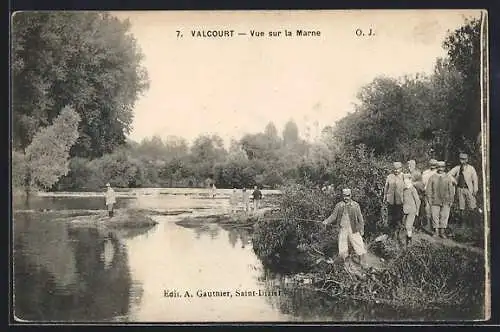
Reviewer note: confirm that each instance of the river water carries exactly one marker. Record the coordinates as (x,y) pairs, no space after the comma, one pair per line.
(80,274)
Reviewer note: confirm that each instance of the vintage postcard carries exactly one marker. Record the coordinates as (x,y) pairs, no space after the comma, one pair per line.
(250,166)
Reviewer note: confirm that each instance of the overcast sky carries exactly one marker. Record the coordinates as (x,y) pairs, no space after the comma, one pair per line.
(233,86)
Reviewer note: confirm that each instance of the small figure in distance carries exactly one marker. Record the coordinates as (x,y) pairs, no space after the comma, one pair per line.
(233,201)
(110,199)
(257,196)
(246,199)
(214,190)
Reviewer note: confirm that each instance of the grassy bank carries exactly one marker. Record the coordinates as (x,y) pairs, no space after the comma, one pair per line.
(429,273)
(122,219)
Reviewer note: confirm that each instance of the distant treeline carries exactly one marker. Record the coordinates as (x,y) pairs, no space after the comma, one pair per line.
(266,159)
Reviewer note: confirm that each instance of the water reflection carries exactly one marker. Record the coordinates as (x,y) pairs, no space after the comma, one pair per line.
(76,274)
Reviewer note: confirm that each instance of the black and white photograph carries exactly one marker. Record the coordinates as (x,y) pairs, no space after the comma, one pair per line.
(283,166)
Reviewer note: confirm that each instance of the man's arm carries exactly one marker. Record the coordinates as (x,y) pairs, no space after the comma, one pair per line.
(361,220)
(475,182)
(454,171)
(333,216)
(417,200)
(453,174)
(386,188)
(429,188)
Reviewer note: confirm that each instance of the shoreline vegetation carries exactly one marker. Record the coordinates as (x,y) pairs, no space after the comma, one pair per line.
(430,273)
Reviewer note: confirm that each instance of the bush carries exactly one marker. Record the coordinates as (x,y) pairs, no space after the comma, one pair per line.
(278,242)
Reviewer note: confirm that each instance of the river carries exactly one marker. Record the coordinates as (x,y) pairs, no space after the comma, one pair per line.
(78,274)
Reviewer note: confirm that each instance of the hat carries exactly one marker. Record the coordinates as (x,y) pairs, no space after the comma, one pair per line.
(346,191)
(463,156)
(441,164)
(108,185)
(397,164)
(433,162)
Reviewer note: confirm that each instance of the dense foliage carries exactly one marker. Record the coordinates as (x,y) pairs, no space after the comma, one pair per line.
(85,59)
(256,159)
(46,158)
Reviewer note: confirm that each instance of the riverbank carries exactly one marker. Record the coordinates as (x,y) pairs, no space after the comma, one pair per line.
(239,219)
(430,273)
(122,218)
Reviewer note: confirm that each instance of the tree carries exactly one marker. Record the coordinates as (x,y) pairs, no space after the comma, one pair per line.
(206,151)
(463,47)
(85,59)
(47,157)
(290,133)
(272,135)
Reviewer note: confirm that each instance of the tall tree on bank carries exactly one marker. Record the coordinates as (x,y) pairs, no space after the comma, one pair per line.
(290,133)
(464,51)
(46,158)
(86,59)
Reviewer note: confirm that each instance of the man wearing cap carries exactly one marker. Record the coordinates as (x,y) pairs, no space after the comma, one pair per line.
(415,173)
(347,214)
(110,199)
(465,178)
(393,197)
(417,183)
(426,175)
(440,192)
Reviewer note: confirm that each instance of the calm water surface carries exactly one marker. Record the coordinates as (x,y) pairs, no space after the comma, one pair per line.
(64,273)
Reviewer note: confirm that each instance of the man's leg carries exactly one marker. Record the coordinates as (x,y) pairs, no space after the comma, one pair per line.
(428,214)
(435,211)
(392,220)
(443,220)
(472,205)
(358,246)
(110,210)
(343,245)
(409,220)
(398,222)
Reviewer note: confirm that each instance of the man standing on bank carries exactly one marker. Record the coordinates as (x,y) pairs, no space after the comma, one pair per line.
(347,214)
(465,178)
(110,199)
(246,199)
(411,206)
(426,175)
(257,196)
(393,197)
(440,191)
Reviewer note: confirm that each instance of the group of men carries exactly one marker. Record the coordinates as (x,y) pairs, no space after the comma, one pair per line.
(428,195)
(234,200)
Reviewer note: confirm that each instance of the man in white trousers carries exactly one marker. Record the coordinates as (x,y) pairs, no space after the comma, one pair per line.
(347,214)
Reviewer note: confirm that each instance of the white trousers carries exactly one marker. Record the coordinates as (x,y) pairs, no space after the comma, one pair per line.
(346,235)
(409,220)
(256,204)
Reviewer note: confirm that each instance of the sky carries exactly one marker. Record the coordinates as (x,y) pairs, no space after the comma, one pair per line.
(233,86)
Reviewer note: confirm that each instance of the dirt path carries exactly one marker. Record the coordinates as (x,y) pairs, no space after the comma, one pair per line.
(446,242)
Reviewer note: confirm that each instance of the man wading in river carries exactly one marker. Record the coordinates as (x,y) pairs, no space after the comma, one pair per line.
(347,214)
(110,199)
